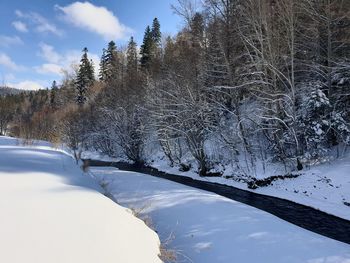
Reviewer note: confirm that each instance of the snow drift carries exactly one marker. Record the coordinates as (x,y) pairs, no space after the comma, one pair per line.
(51,212)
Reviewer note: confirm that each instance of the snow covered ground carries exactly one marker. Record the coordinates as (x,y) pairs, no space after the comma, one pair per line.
(52,212)
(203,227)
(325,186)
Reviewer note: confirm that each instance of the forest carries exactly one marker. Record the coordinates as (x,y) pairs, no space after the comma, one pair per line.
(245,83)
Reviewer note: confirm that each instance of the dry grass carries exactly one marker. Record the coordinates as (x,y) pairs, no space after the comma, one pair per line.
(167,255)
(85,167)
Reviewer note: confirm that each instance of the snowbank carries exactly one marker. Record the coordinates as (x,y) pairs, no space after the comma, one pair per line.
(203,227)
(52,212)
(325,186)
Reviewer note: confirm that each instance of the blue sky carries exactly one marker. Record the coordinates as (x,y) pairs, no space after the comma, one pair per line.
(40,37)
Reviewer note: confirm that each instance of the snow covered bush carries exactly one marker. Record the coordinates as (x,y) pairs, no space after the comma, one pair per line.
(315,122)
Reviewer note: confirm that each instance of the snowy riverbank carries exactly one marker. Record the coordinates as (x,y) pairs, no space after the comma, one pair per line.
(52,212)
(323,186)
(204,227)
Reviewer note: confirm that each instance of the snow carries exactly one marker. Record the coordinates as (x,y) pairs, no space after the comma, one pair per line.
(323,186)
(204,227)
(52,212)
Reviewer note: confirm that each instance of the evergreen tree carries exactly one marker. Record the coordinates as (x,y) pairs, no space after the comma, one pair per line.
(150,49)
(216,68)
(112,63)
(103,66)
(85,77)
(53,95)
(169,51)
(155,33)
(146,48)
(197,29)
(132,63)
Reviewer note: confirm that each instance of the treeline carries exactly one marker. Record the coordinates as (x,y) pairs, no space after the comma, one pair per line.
(245,83)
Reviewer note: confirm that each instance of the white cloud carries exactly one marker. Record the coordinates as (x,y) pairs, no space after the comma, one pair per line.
(48,53)
(42,25)
(7,62)
(19,13)
(58,62)
(20,26)
(27,85)
(73,57)
(8,41)
(8,77)
(50,69)
(96,19)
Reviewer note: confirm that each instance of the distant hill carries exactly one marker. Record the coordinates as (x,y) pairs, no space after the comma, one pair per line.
(9,91)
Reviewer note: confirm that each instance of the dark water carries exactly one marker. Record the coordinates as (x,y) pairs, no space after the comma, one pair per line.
(300,215)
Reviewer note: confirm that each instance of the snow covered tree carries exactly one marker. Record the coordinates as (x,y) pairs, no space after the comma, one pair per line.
(132,59)
(261,80)
(103,66)
(315,122)
(112,63)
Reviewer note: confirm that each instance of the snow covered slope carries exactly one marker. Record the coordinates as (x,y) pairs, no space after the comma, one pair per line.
(324,186)
(52,212)
(206,228)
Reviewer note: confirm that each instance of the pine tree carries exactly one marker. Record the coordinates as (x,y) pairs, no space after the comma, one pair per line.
(146,48)
(53,95)
(155,33)
(150,49)
(197,29)
(169,50)
(132,63)
(315,121)
(103,66)
(216,68)
(85,77)
(112,62)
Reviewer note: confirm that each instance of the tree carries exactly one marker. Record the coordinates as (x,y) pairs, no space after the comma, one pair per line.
(132,59)
(151,49)
(7,112)
(103,66)
(53,95)
(112,63)
(85,77)
(217,71)
(146,49)
(156,35)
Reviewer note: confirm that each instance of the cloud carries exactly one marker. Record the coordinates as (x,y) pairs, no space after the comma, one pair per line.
(20,26)
(8,41)
(7,62)
(50,69)
(58,62)
(27,85)
(49,54)
(9,76)
(42,25)
(19,14)
(95,19)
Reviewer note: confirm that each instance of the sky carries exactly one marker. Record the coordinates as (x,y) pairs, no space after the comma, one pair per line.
(39,38)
